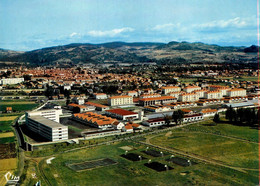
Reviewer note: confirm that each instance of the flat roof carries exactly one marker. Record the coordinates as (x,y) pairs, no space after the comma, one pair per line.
(243,104)
(46,122)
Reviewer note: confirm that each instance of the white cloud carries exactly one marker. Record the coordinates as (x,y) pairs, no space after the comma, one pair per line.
(74,34)
(236,22)
(109,33)
(166,27)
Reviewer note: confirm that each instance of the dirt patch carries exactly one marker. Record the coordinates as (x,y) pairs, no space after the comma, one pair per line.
(126,148)
(168,134)
(7,151)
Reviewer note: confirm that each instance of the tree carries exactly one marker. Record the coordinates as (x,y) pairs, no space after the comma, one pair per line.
(49,91)
(216,118)
(27,77)
(231,114)
(177,116)
(167,120)
(181,115)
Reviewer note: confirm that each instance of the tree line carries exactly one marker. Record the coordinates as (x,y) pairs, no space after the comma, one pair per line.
(241,116)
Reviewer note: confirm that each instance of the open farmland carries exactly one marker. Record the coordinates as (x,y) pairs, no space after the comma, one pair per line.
(8,118)
(17,105)
(8,164)
(6,134)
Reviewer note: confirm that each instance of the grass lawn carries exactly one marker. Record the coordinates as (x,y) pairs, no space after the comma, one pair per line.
(243,132)
(232,152)
(5,126)
(7,140)
(6,121)
(99,101)
(187,80)
(75,128)
(126,172)
(248,78)
(17,105)
(31,174)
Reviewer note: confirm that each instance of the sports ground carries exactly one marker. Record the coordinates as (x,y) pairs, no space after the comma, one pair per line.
(231,159)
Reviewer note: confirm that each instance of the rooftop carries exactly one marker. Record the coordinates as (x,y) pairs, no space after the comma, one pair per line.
(121,112)
(46,122)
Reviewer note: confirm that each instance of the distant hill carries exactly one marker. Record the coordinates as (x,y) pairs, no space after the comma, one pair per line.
(8,53)
(172,52)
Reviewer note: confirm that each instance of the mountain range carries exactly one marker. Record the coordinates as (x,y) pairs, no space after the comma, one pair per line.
(172,52)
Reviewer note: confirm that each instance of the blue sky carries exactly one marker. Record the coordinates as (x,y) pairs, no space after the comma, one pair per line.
(32,24)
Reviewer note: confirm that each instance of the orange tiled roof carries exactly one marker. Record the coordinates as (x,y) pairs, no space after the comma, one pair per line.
(95,104)
(124,96)
(158,98)
(170,87)
(209,110)
(236,89)
(95,118)
(121,112)
(8,108)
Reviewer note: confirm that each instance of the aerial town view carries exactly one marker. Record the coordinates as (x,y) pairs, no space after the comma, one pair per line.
(110,92)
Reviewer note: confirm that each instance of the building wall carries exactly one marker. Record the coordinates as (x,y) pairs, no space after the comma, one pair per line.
(120,101)
(234,93)
(52,114)
(213,95)
(189,97)
(191,89)
(168,90)
(51,134)
(153,124)
(9,81)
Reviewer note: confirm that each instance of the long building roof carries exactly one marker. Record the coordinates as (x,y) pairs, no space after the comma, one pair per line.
(46,122)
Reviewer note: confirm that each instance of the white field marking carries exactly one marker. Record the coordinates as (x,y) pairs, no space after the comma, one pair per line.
(48,161)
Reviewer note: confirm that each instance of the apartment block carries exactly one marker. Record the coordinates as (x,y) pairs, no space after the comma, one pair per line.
(9,81)
(157,100)
(190,89)
(120,100)
(236,92)
(188,97)
(216,94)
(168,89)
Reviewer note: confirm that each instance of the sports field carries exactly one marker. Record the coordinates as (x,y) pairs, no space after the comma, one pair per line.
(124,171)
